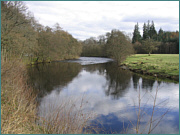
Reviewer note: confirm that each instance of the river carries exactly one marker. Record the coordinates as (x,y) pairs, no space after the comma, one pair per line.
(110,93)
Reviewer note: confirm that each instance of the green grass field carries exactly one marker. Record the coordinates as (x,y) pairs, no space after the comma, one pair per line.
(161,64)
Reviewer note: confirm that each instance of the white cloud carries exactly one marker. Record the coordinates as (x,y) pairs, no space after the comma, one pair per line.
(92,18)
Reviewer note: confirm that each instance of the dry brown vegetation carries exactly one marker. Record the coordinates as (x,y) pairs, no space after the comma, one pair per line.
(67,117)
(18,107)
(24,40)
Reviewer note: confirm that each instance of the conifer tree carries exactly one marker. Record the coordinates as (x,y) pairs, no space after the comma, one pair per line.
(160,35)
(145,32)
(148,29)
(152,31)
(136,34)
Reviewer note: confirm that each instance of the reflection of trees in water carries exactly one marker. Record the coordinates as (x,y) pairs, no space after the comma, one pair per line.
(46,77)
(95,67)
(147,84)
(118,81)
(135,79)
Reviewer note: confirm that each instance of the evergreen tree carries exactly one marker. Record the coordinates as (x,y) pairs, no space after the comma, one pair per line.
(136,34)
(145,32)
(148,29)
(152,32)
(160,35)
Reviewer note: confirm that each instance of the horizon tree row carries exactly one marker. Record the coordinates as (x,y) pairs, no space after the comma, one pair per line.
(115,44)
(162,42)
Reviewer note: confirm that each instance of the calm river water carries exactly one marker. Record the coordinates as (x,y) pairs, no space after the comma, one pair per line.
(110,93)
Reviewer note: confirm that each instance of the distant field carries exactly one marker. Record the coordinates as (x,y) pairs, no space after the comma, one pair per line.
(160,64)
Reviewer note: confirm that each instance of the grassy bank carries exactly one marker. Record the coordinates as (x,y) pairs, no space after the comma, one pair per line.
(160,65)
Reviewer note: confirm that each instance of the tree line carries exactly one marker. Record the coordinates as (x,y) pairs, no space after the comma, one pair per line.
(115,44)
(23,37)
(161,42)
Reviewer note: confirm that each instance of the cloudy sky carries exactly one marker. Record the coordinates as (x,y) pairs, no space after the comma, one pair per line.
(84,19)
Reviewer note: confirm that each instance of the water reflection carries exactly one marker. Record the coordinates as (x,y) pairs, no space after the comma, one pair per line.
(118,81)
(50,76)
(135,79)
(115,84)
(110,92)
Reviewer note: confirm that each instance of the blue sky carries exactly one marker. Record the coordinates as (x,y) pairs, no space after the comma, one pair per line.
(84,19)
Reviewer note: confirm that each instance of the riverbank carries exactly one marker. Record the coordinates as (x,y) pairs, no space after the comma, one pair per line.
(19,106)
(39,61)
(158,65)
